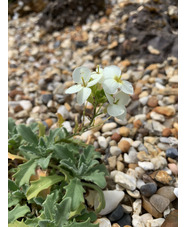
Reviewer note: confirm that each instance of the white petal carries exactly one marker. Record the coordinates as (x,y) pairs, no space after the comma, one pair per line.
(93,82)
(110,86)
(80,72)
(110,98)
(123,98)
(83,95)
(127,87)
(122,116)
(73,89)
(111,71)
(115,110)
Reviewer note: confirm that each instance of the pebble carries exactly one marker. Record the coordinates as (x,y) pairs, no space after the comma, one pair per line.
(144,100)
(159,202)
(166,132)
(46,98)
(109,127)
(163,146)
(146,165)
(141,147)
(112,199)
(137,207)
(174,168)
(152,101)
(167,192)
(143,156)
(120,166)
(155,223)
(102,142)
(103,222)
(157,117)
(64,112)
(124,131)
(145,217)
(163,177)
(66,124)
(116,214)
(171,220)
(139,183)
(157,127)
(131,157)
(165,110)
(115,150)
(126,181)
(148,189)
(116,137)
(124,145)
(112,162)
(84,136)
(127,209)
(136,143)
(159,162)
(26,105)
(172,153)
(176,192)
(150,208)
(125,220)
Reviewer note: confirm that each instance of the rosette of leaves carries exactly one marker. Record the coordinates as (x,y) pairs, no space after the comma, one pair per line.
(57,198)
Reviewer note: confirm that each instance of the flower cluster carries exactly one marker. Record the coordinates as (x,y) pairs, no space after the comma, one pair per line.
(103,83)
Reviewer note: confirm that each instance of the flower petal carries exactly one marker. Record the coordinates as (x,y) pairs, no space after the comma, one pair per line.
(83,95)
(127,87)
(111,71)
(123,98)
(93,82)
(80,72)
(73,89)
(110,86)
(122,116)
(115,110)
(110,98)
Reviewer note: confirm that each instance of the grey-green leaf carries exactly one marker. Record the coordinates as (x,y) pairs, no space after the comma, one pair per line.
(49,205)
(17,212)
(27,134)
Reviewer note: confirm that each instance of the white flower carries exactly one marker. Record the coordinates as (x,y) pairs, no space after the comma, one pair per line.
(113,82)
(116,107)
(98,75)
(81,76)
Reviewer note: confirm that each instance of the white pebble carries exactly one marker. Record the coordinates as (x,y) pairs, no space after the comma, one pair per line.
(146,165)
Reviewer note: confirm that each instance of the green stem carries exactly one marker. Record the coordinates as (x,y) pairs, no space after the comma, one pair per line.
(102,199)
(61,171)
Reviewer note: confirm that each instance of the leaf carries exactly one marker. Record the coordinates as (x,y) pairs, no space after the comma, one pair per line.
(87,223)
(70,165)
(46,223)
(60,120)
(11,127)
(24,172)
(44,162)
(17,224)
(41,184)
(62,212)
(78,211)
(96,177)
(12,186)
(15,197)
(49,205)
(27,134)
(85,216)
(62,152)
(12,157)
(75,191)
(41,129)
(17,212)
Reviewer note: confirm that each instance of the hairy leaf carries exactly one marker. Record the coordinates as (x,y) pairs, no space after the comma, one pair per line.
(44,162)
(27,134)
(75,191)
(82,224)
(49,205)
(24,172)
(46,223)
(41,184)
(62,212)
(17,224)
(12,186)
(17,212)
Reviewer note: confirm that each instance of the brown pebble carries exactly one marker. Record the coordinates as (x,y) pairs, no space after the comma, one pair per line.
(112,162)
(171,160)
(132,165)
(137,123)
(152,101)
(165,110)
(124,131)
(120,166)
(159,202)
(174,168)
(124,145)
(18,108)
(49,122)
(168,192)
(166,132)
(15,92)
(115,225)
(163,177)
(174,132)
(171,220)
(116,137)
(150,209)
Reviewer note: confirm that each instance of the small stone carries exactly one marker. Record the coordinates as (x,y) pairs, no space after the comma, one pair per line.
(150,209)
(102,142)
(46,98)
(159,162)
(167,192)
(124,131)
(124,145)
(126,181)
(114,150)
(141,117)
(137,123)
(64,112)
(165,110)
(116,214)
(112,199)
(144,100)
(125,220)
(150,139)
(139,183)
(159,202)
(115,225)
(157,117)
(136,143)
(134,194)
(127,209)
(120,122)
(109,127)
(156,222)
(146,165)
(174,168)
(176,192)
(131,157)
(26,104)
(66,124)
(22,114)
(145,217)
(152,101)
(148,189)
(103,222)
(152,50)
(143,156)
(163,177)
(120,166)
(166,132)
(171,220)
(99,122)
(116,137)
(49,122)
(111,143)
(112,162)
(172,153)
(157,127)
(84,136)
(132,165)
(137,206)
(59,89)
